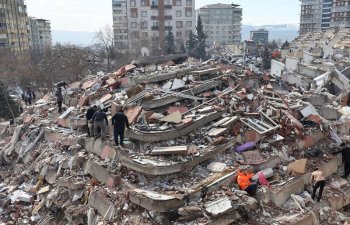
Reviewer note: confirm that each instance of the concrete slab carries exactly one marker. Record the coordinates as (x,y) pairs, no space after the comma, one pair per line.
(172,134)
(101,174)
(162,169)
(281,196)
(100,204)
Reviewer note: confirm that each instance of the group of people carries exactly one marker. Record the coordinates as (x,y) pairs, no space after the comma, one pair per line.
(245,182)
(97,121)
(317,179)
(28,96)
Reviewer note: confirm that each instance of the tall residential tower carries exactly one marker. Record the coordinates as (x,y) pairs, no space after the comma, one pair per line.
(222,23)
(13,26)
(40,35)
(143,24)
(317,15)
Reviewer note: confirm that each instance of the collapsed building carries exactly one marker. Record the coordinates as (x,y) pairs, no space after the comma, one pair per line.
(193,126)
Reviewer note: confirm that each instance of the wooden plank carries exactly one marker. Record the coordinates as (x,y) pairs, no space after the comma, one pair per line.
(66,113)
(230,121)
(217,132)
(132,113)
(171,150)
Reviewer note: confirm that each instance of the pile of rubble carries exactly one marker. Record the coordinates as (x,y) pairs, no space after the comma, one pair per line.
(193,126)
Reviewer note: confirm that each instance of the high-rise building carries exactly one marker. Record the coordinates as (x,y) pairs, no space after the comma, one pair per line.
(144,24)
(13,26)
(341,14)
(260,36)
(40,35)
(317,15)
(222,23)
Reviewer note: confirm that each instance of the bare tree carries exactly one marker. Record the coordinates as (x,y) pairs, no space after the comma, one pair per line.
(104,41)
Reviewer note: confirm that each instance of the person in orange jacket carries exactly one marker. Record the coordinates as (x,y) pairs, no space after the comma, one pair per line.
(244,181)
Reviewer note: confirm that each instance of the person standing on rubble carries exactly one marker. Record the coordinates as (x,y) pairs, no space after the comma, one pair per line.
(99,117)
(318,181)
(244,180)
(59,97)
(89,114)
(345,151)
(120,121)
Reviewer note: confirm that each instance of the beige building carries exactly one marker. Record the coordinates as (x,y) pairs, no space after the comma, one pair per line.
(222,23)
(141,26)
(317,15)
(13,26)
(40,35)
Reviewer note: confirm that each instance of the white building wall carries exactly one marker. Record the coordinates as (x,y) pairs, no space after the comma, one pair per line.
(277,68)
(291,64)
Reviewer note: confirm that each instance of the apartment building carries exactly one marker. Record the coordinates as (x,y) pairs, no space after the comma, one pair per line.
(13,26)
(260,36)
(341,14)
(39,35)
(222,23)
(317,15)
(144,24)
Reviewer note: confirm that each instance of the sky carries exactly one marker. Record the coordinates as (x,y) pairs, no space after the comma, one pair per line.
(91,15)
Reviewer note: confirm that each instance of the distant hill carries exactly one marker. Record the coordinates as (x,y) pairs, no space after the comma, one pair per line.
(282,31)
(73,37)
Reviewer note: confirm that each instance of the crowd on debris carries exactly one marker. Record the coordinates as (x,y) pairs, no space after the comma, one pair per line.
(186,143)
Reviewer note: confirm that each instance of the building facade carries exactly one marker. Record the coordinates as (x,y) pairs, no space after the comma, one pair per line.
(341,14)
(39,35)
(141,26)
(222,23)
(260,36)
(317,15)
(13,26)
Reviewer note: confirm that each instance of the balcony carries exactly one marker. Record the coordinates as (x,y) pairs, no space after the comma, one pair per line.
(154,6)
(154,17)
(155,27)
(168,17)
(168,27)
(168,6)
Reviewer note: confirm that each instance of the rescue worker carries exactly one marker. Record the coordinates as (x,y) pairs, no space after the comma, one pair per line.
(59,97)
(89,114)
(345,151)
(120,121)
(318,181)
(245,183)
(99,117)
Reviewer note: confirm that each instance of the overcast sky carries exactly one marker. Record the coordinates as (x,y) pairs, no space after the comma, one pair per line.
(90,15)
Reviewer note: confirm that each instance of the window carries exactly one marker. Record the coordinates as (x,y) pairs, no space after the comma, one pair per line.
(178,3)
(155,24)
(178,34)
(188,13)
(144,25)
(144,35)
(178,13)
(188,23)
(179,24)
(133,25)
(133,3)
(168,2)
(143,13)
(143,3)
(189,2)
(134,14)
(154,2)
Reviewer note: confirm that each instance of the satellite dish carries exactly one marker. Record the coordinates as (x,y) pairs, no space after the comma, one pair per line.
(145,52)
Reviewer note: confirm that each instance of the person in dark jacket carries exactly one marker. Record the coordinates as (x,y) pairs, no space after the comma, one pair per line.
(59,97)
(89,114)
(120,121)
(99,117)
(345,151)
